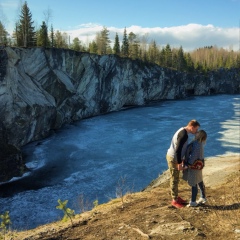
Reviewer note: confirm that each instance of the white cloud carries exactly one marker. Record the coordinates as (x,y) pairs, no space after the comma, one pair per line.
(189,36)
(9,4)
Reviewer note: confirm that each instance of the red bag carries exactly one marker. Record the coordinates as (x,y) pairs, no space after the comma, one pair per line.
(197,165)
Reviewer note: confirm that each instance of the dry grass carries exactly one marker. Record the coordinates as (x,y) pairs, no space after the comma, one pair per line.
(227,205)
(149,215)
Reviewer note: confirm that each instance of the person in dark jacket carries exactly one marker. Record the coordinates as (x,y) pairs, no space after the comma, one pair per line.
(174,157)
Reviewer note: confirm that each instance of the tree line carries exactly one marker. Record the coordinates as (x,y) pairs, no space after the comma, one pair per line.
(131,46)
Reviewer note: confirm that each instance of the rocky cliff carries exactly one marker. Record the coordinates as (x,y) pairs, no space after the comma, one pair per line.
(42,89)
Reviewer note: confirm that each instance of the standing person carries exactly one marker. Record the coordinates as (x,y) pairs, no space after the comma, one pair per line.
(194,176)
(175,156)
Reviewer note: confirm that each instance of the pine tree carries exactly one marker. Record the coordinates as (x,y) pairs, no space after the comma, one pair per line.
(238,61)
(133,49)
(152,52)
(116,47)
(3,34)
(181,62)
(189,62)
(76,45)
(162,58)
(125,44)
(42,36)
(93,48)
(52,37)
(168,56)
(24,28)
(103,42)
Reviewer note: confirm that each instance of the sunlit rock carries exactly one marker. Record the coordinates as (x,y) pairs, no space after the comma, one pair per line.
(42,89)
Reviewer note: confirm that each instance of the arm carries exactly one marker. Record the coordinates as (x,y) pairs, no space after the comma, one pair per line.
(181,139)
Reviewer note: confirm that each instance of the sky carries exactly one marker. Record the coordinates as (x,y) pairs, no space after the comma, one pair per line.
(188,23)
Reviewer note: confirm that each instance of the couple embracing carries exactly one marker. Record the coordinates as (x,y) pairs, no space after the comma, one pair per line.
(190,159)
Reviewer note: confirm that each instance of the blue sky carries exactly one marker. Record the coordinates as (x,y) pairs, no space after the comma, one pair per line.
(187,23)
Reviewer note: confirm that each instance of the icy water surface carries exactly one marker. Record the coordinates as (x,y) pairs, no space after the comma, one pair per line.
(88,158)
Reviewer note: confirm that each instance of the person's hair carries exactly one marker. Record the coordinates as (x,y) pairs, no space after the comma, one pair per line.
(201,136)
(194,123)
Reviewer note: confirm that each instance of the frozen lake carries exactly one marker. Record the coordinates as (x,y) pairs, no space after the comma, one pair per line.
(89,157)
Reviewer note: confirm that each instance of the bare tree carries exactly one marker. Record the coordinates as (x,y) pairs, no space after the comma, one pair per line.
(143,46)
(47,16)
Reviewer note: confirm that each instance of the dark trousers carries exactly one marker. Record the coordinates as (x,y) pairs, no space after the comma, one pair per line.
(195,191)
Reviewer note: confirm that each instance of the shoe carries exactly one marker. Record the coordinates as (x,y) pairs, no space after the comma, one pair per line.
(177,204)
(180,200)
(192,204)
(201,200)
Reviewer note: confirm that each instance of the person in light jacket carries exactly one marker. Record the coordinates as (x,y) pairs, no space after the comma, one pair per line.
(194,177)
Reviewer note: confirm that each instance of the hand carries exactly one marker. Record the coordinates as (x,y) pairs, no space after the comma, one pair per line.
(182,167)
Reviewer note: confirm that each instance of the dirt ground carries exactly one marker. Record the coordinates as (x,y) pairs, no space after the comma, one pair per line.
(149,214)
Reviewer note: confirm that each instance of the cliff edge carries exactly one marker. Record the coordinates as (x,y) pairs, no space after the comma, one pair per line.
(149,214)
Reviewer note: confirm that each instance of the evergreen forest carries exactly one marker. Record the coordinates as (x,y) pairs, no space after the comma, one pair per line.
(130,46)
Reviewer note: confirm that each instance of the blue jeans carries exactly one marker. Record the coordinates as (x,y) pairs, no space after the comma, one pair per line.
(195,191)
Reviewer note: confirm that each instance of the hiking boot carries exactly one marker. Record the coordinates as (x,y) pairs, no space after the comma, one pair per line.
(192,204)
(177,204)
(180,200)
(201,200)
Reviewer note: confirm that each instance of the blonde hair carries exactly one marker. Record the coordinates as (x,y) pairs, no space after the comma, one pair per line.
(194,123)
(201,136)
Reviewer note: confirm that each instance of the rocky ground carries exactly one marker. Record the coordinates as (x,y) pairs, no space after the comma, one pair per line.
(149,214)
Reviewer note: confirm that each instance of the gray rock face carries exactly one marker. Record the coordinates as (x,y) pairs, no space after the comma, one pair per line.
(11,162)
(41,89)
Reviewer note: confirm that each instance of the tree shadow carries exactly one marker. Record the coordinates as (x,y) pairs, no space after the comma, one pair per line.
(233,206)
